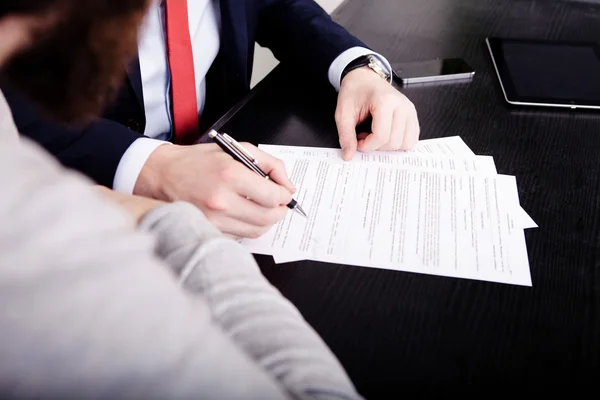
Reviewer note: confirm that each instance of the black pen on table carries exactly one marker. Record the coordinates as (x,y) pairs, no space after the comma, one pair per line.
(239,153)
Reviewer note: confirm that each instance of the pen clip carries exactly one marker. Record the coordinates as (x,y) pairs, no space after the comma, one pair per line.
(241,148)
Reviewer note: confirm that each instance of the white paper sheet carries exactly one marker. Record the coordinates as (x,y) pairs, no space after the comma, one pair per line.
(467,163)
(449,146)
(433,157)
(402,215)
(452,146)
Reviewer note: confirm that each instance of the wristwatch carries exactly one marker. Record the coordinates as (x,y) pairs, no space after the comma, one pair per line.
(367,61)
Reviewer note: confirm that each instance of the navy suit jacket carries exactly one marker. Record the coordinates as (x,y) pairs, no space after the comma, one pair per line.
(299,33)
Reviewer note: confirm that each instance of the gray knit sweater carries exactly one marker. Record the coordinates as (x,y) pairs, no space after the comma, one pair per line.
(91,307)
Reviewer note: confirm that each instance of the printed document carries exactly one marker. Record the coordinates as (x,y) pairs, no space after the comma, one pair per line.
(438,209)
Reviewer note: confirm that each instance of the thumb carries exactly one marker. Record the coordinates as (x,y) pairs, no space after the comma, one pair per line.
(279,175)
(346,125)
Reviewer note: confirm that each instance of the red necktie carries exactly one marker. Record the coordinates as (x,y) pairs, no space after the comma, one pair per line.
(183,82)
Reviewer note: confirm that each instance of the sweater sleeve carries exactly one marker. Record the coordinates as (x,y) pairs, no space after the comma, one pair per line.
(258,319)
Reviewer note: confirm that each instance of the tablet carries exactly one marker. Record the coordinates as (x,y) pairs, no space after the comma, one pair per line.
(547,73)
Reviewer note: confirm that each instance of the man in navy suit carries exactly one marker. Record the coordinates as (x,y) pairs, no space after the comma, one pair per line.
(195,62)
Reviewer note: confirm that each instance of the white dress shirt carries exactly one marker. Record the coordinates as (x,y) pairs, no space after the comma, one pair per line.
(205,25)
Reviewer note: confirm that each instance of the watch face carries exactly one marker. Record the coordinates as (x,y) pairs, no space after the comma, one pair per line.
(378,68)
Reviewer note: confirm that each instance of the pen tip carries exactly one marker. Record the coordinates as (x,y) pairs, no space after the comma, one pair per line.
(300,211)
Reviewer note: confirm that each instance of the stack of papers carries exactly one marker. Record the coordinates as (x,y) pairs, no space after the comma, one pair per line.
(437,209)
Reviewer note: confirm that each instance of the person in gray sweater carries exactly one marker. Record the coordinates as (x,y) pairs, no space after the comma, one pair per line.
(105,296)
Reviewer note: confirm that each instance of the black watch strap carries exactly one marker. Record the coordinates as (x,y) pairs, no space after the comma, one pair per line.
(360,62)
(367,61)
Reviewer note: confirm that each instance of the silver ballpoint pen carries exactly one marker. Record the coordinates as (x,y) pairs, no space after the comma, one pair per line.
(241,154)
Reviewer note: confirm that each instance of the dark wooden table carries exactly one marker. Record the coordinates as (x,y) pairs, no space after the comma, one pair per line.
(401,334)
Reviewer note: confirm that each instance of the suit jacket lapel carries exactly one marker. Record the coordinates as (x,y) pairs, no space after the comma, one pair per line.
(234,37)
(227,80)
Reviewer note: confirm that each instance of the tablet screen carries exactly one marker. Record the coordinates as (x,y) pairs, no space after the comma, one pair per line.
(548,72)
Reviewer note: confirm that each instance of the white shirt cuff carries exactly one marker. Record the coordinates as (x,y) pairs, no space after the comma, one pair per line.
(132,162)
(341,62)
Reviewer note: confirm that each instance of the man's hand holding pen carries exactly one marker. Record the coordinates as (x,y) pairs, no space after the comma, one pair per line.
(234,198)
(239,153)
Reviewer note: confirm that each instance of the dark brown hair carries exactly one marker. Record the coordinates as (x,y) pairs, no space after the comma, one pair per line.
(72,67)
